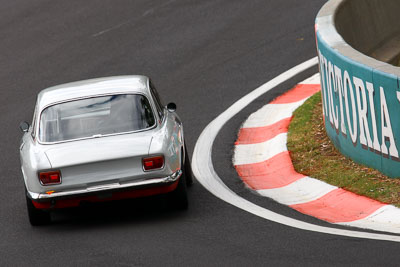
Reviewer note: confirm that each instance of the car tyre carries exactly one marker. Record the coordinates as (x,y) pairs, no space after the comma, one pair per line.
(178,197)
(187,169)
(37,216)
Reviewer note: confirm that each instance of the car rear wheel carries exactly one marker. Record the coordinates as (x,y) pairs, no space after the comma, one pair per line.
(178,197)
(37,216)
(187,169)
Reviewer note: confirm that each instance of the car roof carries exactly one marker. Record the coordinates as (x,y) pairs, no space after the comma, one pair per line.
(92,87)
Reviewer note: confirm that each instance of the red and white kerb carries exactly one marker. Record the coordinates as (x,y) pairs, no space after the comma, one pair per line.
(263,162)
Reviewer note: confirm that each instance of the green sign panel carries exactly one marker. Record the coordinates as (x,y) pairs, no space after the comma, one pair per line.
(361,109)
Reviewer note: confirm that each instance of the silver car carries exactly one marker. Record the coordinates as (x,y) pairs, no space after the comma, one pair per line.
(102,139)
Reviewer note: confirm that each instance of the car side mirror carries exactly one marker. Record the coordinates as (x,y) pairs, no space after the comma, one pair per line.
(24,126)
(171,107)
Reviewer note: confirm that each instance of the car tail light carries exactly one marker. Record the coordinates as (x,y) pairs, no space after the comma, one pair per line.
(153,163)
(49,178)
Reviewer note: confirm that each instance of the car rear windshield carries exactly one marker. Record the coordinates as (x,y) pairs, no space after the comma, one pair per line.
(96,116)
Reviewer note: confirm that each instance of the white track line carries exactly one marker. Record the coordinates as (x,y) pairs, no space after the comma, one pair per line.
(204,171)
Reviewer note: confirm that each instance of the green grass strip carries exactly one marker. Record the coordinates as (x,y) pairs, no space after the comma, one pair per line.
(314,155)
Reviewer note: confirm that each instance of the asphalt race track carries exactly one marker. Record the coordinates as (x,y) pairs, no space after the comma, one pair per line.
(202,55)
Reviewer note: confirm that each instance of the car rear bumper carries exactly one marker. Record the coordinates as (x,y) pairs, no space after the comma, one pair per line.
(105,192)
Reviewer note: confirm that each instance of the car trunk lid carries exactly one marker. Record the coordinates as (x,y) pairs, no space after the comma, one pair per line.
(94,161)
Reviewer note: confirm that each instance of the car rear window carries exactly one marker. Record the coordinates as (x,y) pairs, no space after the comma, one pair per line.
(95,116)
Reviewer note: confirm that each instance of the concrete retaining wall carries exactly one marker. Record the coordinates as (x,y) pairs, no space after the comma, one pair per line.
(361,95)
(380,16)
